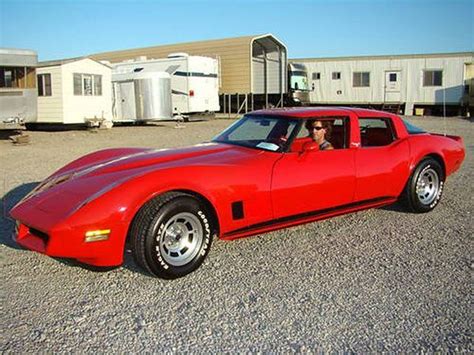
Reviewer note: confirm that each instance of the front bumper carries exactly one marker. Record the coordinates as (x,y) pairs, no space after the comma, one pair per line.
(70,243)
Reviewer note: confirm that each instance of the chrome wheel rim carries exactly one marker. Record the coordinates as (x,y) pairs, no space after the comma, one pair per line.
(181,239)
(427,186)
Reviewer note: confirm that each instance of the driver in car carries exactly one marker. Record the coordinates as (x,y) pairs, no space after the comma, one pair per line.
(320,132)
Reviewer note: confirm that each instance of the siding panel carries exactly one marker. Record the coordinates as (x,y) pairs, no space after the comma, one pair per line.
(50,108)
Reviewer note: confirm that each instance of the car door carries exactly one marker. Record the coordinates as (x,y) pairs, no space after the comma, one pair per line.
(316,180)
(381,160)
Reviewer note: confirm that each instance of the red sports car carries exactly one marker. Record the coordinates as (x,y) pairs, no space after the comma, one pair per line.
(269,170)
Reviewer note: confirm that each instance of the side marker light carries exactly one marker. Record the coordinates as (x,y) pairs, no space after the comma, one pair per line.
(98,235)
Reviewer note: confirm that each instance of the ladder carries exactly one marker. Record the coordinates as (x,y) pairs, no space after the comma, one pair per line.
(392,107)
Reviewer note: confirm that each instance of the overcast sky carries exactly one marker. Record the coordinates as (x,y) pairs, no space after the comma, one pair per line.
(61,29)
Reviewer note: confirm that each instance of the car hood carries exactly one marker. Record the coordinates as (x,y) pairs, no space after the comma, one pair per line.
(84,180)
(139,160)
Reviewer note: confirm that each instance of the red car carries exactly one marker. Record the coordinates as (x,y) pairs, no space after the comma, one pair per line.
(269,170)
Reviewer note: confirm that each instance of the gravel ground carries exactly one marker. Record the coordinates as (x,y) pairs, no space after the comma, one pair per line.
(377,280)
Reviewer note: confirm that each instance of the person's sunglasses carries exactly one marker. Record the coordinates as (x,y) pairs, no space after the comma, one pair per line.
(317,128)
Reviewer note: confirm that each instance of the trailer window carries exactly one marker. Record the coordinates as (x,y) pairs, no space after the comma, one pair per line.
(361,79)
(11,77)
(98,85)
(433,78)
(77,84)
(316,76)
(8,78)
(87,84)
(336,75)
(376,132)
(44,85)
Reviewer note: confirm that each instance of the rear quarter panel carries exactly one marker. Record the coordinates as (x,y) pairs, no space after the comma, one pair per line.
(450,150)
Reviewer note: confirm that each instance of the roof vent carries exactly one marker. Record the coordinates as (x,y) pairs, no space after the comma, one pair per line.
(140,58)
(178,55)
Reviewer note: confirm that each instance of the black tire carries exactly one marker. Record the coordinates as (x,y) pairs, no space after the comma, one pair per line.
(425,186)
(171,235)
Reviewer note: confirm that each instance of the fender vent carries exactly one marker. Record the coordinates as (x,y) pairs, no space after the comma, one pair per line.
(237,210)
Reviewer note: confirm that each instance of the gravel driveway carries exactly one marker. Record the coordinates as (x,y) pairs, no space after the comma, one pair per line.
(378,280)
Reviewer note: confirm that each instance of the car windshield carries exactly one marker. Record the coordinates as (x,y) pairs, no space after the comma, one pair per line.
(259,132)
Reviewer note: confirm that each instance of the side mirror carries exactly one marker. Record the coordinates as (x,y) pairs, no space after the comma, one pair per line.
(310,147)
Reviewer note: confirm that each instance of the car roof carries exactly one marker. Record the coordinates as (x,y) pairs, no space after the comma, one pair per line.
(306,112)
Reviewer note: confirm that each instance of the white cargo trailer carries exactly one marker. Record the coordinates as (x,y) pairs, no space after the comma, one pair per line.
(194,80)
(142,97)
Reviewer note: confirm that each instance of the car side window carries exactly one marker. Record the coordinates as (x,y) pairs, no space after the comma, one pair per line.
(376,132)
(337,133)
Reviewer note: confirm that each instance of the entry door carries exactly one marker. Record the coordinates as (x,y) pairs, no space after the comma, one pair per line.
(381,160)
(392,86)
(127,100)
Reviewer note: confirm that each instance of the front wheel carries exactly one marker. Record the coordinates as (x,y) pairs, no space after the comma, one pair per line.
(171,235)
(425,186)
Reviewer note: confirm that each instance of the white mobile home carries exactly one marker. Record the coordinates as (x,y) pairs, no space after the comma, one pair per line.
(434,82)
(74,90)
(194,80)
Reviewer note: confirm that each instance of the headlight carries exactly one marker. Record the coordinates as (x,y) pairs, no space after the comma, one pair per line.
(47,184)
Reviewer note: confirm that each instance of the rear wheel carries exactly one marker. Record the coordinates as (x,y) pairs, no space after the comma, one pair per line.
(425,187)
(171,235)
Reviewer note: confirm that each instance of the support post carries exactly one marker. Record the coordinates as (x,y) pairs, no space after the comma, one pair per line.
(265,70)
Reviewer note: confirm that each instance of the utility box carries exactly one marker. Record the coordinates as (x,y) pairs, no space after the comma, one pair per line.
(419,111)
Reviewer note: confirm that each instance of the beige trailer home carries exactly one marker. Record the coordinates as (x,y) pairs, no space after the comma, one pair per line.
(430,83)
(253,69)
(73,91)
